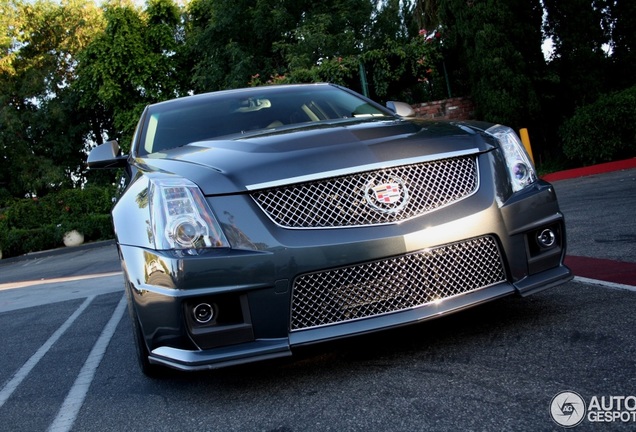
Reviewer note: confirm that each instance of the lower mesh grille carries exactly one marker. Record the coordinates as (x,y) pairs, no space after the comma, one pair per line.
(395,284)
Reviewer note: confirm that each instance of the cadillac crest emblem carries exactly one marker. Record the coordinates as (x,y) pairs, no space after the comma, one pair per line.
(387,195)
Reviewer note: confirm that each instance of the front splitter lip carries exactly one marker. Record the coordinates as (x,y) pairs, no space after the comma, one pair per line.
(544,280)
(190,360)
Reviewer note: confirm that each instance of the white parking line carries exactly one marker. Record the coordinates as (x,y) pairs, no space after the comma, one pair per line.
(604,283)
(15,296)
(24,371)
(13,285)
(37,261)
(75,399)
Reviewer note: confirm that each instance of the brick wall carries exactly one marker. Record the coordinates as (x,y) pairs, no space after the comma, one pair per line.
(459,108)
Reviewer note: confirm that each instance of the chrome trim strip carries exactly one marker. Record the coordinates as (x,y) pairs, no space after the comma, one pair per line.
(359,169)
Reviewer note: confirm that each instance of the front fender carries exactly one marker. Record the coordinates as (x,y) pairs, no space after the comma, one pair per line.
(132,212)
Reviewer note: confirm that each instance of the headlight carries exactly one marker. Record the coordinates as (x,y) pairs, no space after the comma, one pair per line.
(180,217)
(520,168)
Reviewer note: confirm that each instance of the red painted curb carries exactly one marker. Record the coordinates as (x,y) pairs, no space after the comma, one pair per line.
(591,170)
(603,269)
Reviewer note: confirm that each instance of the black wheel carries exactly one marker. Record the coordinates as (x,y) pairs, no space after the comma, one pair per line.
(149,369)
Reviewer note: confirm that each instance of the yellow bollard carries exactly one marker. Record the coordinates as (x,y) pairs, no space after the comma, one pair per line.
(525,139)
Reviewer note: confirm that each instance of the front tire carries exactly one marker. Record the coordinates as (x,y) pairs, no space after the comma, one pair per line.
(148,369)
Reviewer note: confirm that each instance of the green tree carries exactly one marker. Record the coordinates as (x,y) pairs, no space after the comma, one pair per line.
(378,39)
(133,62)
(231,41)
(9,29)
(493,48)
(402,57)
(40,143)
(426,13)
(328,30)
(579,59)
(325,42)
(264,42)
(622,26)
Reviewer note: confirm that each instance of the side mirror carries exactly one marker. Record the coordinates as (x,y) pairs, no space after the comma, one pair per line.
(402,109)
(107,155)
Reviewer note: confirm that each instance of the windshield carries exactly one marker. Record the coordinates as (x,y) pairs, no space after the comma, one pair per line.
(187,120)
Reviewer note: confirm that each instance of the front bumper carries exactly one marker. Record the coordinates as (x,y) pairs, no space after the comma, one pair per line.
(260,349)
(254,291)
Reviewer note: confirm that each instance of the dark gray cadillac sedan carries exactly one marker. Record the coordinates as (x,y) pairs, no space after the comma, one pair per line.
(254,221)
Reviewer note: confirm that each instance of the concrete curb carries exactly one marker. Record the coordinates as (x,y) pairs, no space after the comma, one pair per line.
(59,251)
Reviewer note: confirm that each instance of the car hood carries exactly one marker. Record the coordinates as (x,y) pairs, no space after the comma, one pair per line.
(242,164)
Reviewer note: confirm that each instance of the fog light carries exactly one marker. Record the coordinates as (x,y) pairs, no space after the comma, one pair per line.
(203,313)
(546,238)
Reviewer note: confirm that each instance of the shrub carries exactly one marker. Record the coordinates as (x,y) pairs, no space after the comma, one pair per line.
(603,131)
(30,225)
(20,241)
(28,213)
(95,227)
(5,197)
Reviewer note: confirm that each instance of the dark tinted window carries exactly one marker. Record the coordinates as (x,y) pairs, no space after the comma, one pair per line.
(174,124)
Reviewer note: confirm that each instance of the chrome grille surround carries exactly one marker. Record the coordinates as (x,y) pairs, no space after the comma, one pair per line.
(395,284)
(343,201)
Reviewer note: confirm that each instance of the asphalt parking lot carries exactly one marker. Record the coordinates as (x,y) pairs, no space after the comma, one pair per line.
(68,360)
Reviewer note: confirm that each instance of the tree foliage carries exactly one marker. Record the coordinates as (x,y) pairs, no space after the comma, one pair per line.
(579,59)
(494,48)
(132,63)
(622,28)
(73,74)
(228,41)
(41,137)
(264,42)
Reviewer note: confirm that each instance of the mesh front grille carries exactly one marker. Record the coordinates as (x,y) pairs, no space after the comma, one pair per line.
(394,284)
(351,200)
